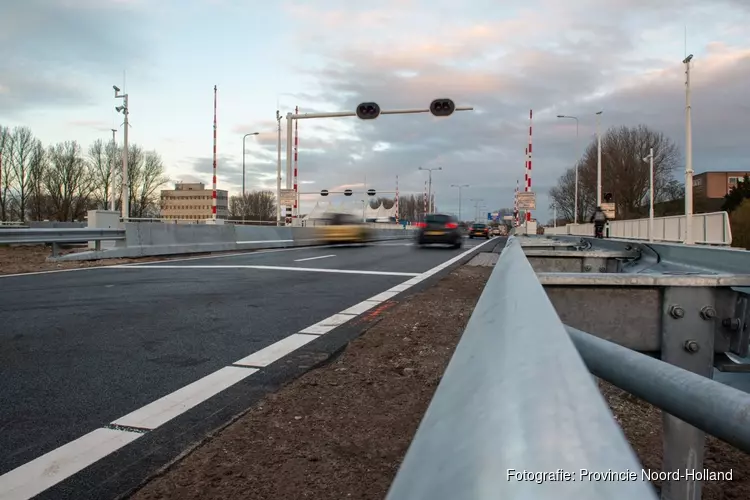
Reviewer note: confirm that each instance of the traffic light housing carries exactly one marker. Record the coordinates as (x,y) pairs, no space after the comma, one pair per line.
(347,192)
(323,192)
(370,192)
(442,107)
(368,111)
(608,197)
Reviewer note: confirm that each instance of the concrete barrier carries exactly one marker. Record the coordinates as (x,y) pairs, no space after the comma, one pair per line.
(150,239)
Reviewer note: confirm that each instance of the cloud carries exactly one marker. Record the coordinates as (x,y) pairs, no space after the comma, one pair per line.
(51,49)
(545,56)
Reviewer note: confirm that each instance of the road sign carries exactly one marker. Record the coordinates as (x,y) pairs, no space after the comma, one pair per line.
(288,196)
(609,210)
(489,216)
(526,200)
(507,217)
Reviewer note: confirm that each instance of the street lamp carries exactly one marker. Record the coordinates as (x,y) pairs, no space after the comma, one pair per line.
(278,170)
(598,160)
(575,198)
(459,186)
(125,189)
(650,160)
(112,171)
(429,184)
(243,161)
(476,201)
(688,157)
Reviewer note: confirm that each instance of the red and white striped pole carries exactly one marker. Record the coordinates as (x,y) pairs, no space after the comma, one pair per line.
(424,199)
(528,168)
(515,206)
(296,149)
(396,202)
(213,194)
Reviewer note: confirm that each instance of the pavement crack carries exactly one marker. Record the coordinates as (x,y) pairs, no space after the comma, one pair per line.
(127,428)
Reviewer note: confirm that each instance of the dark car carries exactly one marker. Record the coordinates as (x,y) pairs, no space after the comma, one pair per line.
(439,229)
(479,231)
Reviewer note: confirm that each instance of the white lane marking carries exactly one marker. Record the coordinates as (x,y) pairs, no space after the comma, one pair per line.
(314,258)
(57,465)
(362,307)
(328,324)
(276,351)
(172,405)
(34,477)
(279,268)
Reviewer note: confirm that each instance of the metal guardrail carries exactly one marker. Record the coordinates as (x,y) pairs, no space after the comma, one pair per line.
(510,420)
(708,229)
(58,236)
(517,414)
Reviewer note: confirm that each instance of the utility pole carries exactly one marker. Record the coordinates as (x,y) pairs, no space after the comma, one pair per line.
(243,161)
(125,181)
(112,171)
(688,157)
(598,160)
(429,185)
(459,186)
(278,170)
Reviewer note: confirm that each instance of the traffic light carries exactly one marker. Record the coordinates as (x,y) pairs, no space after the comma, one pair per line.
(323,192)
(442,107)
(368,111)
(608,197)
(347,192)
(370,192)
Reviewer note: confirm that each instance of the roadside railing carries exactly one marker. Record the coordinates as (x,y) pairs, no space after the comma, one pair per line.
(56,237)
(708,229)
(518,415)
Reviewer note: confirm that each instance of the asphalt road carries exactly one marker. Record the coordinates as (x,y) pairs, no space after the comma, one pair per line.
(80,349)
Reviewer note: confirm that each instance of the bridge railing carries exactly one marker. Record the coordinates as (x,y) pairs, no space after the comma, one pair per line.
(518,415)
(708,229)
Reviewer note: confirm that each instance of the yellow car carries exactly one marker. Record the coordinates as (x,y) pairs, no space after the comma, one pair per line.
(343,228)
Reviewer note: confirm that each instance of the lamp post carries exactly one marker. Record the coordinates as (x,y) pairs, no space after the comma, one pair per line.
(688,157)
(112,171)
(278,170)
(125,202)
(429,185)
(598,160)
(459,186)
(243,161)
(650,160)
(476,201)
(575,197)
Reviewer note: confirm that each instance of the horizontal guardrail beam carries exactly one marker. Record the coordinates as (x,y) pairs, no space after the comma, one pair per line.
(67,235)
(711,406)
(517,413)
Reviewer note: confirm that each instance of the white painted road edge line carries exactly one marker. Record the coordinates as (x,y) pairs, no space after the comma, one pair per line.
(32,478)
(314,258)
(276,268)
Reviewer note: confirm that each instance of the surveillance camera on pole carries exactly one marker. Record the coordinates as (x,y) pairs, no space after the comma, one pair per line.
(442,107)
(368,111)
(117,89)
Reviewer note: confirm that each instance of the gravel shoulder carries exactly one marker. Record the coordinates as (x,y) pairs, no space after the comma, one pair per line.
(341,431)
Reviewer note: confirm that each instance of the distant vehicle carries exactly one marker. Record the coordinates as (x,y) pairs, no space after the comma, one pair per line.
(342,228)
(479,230)
(439,229)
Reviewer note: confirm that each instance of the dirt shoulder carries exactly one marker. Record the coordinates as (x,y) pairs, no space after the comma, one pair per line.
(342,430)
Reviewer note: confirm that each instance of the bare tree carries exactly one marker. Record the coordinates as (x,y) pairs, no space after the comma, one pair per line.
(39,200)
(624,173)
(100,161)
(23,145)
(150,178)
(253,205)
(6,173)
(68,181)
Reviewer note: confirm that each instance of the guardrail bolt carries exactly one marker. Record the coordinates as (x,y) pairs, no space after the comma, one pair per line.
(587,268)
(676,312)
(708,312)
(602,269)
(692,346)
(732,324)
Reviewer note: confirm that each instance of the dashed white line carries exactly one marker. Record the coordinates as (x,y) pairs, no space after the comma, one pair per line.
(172,405)
(314,258)
(44,472)
(32,478)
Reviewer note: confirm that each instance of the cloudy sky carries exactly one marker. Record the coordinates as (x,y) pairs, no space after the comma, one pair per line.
(60,58)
